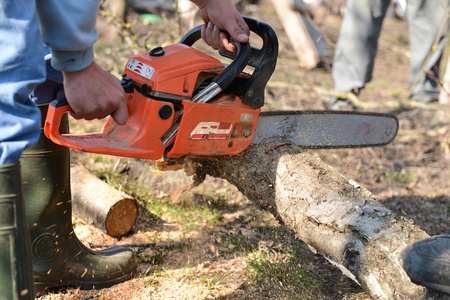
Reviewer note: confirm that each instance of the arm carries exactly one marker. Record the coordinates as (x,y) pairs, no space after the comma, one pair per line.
(221,15)
(68,29)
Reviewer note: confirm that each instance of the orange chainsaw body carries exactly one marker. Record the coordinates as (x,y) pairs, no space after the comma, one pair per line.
(223,127)
(182,101)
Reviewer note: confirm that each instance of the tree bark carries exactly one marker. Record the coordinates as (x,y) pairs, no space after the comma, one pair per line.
(325,210)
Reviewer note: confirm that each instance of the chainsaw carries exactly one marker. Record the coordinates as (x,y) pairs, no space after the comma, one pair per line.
(184,102)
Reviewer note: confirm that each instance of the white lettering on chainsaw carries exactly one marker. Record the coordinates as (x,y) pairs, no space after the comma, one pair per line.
(140,68)
(246,118)
(211,131)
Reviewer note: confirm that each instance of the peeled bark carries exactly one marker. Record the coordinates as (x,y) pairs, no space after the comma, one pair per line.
(326,211)
(94,201)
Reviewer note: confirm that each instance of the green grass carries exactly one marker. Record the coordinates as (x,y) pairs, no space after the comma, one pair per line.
(281,269)
(198,212)
(402,177)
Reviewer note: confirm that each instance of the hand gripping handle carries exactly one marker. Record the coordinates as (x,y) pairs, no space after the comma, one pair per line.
(263,60)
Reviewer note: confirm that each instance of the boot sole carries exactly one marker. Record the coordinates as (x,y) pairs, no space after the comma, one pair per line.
(42,288)
(434,286)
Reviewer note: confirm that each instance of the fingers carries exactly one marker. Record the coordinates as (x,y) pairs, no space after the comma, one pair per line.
(209,32)
(218,40)
(240,31)
(226,46)
(120,115)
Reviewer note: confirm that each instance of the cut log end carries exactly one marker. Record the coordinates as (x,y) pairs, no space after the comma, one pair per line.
(121,217)
(94,201)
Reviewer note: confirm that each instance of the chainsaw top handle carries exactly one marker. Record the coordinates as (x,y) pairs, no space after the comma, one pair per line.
(224,79)
(263,60)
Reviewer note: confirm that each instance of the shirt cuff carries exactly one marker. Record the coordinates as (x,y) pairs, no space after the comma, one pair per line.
(71,61)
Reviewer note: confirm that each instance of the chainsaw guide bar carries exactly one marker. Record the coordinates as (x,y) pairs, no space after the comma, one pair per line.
(327,129)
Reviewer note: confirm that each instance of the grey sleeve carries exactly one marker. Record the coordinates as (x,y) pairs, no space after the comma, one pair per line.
(68,29)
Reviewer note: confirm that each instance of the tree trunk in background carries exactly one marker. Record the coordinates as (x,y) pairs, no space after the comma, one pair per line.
(306,39)
(325,210)
(445,90)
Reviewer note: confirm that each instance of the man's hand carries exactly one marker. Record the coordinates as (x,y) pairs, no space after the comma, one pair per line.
(94,93)
(219,16)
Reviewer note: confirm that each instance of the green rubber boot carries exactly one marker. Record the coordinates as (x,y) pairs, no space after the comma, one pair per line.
(16,274)
(59,258)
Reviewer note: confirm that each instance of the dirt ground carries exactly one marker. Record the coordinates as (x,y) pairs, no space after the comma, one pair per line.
(237,251)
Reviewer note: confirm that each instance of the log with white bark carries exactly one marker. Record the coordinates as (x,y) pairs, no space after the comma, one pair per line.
(97,203)
(325,210)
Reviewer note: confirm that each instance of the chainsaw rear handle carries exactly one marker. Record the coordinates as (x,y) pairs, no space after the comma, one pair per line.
(57,109)
(263,60)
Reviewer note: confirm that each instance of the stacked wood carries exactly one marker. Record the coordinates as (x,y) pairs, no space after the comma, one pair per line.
(97,203)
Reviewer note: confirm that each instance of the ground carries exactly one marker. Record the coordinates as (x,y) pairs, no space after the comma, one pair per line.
(232,250)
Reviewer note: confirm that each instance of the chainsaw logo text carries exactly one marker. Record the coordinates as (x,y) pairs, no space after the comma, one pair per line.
(211,130)
(140,68)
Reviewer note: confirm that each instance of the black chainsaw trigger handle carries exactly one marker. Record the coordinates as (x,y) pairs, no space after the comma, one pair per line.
(263,60)
(59,102)
(240,61)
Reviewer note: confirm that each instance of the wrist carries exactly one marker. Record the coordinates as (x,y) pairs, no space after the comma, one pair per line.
(74,73)
(201,3)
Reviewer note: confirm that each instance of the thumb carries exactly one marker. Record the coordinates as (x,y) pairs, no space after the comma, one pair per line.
(240,36)
(239,30)
(120,115)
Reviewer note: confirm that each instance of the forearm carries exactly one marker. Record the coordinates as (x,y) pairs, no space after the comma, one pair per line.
(68,29)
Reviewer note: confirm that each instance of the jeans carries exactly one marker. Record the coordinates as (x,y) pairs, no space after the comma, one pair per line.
(358,41)
(22,67)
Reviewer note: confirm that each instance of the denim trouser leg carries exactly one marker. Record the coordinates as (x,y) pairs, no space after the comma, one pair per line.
(425,19)
(357,43)
(21,69)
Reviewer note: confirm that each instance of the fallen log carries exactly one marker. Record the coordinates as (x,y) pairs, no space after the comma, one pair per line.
(325,210)
(94,201)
